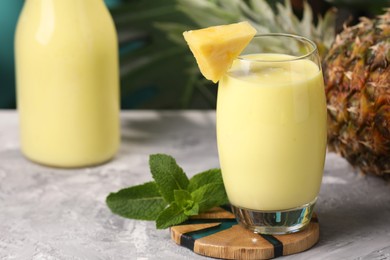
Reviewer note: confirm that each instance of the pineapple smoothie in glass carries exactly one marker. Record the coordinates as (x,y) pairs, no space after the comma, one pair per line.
(271,133)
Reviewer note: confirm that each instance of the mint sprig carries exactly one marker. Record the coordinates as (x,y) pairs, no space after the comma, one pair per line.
(168,175)
(172,198)
(142,202)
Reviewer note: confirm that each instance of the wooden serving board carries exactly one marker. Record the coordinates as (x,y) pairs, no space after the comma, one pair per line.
(217,234)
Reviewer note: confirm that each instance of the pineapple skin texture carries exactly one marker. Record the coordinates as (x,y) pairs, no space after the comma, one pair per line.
(357,82)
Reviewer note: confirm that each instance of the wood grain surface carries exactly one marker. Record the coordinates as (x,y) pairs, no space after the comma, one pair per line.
(217,234)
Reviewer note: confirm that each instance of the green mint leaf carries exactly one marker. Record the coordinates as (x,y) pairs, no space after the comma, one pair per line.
(184,200)
(142,202)
(168,175)
(210,195)
(194,210)
(203,178)
(172,215)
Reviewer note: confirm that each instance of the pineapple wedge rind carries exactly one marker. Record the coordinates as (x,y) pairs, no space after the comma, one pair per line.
(216,47)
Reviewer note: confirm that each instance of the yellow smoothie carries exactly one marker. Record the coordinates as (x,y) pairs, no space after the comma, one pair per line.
(67,82)
(271,131)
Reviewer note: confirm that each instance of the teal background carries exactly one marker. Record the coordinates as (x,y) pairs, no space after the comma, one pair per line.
(9,13)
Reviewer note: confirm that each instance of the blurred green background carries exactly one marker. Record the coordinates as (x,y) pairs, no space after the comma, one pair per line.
(157,68)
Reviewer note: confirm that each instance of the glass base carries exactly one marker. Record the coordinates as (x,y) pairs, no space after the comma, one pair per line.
(275,222)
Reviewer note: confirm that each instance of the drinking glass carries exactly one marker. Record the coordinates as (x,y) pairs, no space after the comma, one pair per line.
(271,133)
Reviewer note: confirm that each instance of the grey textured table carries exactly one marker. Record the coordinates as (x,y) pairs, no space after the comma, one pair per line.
(48,213)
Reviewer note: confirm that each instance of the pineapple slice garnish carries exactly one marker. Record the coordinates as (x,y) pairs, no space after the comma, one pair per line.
(216,47)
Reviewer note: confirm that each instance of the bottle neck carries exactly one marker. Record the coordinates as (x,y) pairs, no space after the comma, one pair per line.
(47,18)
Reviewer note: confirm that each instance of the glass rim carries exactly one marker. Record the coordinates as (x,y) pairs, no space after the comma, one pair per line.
(287,35)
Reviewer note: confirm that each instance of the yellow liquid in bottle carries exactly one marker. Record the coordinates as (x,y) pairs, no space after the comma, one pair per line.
(67,82)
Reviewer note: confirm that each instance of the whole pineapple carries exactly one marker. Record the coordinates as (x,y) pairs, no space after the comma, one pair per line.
(357,77)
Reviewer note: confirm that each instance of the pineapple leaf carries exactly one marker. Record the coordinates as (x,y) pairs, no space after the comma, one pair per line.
(328,29)
(174,31)
(262,7)
(288,22)
(306,23)
(206,13)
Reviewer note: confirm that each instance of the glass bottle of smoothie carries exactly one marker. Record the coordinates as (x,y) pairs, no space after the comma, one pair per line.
(67,82)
